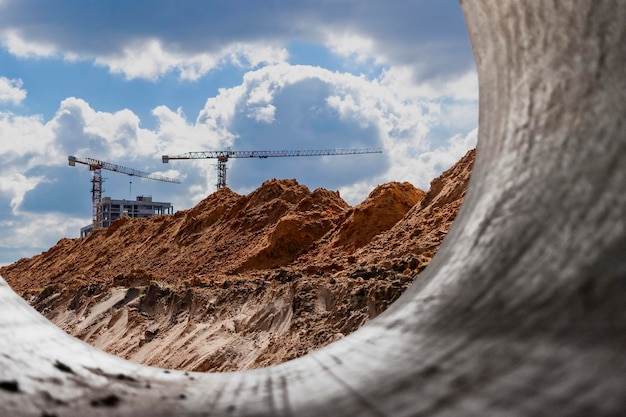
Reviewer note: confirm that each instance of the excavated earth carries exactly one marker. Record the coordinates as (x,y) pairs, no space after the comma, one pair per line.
(241,282)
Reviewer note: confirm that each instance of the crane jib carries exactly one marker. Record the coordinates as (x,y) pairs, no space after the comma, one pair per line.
(267,154)
(223,157)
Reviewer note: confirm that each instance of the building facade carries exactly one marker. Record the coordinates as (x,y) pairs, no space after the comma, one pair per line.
(142,208)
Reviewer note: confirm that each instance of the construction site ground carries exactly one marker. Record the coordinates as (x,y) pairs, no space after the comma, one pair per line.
(241,282)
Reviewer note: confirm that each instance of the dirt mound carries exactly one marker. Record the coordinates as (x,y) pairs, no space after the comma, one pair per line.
(239,282)
(421,231)
(406,246)
(295,231)
(224,233)
(383,208)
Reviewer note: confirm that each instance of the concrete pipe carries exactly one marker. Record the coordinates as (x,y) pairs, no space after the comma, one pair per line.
(522,311)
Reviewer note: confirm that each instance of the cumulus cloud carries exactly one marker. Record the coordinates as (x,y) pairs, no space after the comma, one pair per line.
(25,136)
(351,45)
(16,186)
(148,40)
(150,59)
(437,160)
(11,91)
(21,47)
(418,170)
(26,235)
(363,112)
(29,144)
(78,128)
(418,101)
(305,108)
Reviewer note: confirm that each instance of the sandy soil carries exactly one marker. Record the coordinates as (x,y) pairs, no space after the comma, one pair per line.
(241,282)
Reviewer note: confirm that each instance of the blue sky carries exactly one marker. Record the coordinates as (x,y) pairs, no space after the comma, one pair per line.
(129,81)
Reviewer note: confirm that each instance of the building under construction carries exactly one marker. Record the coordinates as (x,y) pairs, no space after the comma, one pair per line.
(142,208)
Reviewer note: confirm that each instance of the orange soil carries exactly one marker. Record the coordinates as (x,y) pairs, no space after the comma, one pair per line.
(240,282)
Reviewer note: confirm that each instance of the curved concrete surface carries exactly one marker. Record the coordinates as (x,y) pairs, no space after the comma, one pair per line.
(522,311)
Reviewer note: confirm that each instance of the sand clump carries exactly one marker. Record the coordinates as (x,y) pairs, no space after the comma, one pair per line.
(241,282)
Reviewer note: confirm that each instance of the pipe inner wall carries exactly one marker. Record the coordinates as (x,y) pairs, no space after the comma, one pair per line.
(521,312)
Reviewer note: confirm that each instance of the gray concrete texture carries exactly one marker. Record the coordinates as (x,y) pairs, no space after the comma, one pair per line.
(522,311)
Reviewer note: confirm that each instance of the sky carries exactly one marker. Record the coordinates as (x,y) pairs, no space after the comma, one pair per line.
(129,81)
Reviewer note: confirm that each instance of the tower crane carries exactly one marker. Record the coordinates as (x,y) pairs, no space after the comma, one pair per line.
(223,157)
(96,167)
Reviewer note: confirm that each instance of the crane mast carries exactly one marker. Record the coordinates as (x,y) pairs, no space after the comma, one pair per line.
(96,166)
(223,157)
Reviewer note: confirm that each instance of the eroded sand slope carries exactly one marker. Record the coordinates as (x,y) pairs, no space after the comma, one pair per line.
(240,282)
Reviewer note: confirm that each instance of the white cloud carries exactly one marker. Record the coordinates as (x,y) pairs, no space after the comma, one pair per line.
(402,116)
(459,116)
(264,114)
(402,120)
(399,115)
(150,59)
(256,54)
(422,125)
(193,38)
(367,101)
(419,170)
(459,87)
(175,134)
(140,60)
(11,91)
(438,160)
(356,47)
(29,145)
(78,128)
(26,140)
(29,231)
(23,48)
(262,93)
(16,185)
